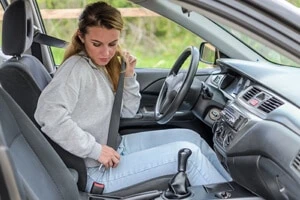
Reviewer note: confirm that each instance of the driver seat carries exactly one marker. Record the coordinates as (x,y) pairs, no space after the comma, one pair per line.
(23,77)
(40,172)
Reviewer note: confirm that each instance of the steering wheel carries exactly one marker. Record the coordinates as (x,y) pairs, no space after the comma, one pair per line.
(176,86)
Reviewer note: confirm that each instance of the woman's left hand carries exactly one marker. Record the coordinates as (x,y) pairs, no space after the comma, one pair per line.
(130,64)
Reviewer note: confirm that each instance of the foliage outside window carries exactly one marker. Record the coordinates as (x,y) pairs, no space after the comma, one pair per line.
(154,40)
(266,52)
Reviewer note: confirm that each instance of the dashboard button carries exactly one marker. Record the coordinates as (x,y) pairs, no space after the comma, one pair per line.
(253,102)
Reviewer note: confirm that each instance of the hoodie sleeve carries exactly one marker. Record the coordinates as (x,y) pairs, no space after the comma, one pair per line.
(131,97)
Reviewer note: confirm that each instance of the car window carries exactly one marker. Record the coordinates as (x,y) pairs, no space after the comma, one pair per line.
(268,53)
(295,2)
(155,41)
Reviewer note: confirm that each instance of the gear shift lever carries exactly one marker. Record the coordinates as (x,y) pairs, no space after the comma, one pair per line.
(183,156)
(178,185)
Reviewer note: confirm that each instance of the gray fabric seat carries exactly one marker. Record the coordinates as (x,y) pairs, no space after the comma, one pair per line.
(23,77)
(41,173)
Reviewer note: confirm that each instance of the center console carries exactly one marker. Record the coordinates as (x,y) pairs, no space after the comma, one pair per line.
(230,190)
(225,129)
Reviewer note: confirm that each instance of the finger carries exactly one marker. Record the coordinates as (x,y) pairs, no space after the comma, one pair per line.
(132,59)
(128,58)
(115,160)
(115,165)
(125,54)
(111,163)
(117,155)
(106,165)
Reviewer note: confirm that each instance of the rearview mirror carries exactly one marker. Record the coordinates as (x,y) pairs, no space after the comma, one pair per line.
(208,53)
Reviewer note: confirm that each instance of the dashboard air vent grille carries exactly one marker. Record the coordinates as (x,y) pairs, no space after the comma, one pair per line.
(251,93)
(270,104)
(296,162)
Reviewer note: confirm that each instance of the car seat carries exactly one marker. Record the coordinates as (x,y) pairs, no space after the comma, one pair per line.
(40,171)
(24,77)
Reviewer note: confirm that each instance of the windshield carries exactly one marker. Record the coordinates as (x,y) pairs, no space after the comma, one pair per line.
(266,52)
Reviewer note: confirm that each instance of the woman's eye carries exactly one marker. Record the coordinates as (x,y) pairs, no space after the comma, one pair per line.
(112,44)
(96,44)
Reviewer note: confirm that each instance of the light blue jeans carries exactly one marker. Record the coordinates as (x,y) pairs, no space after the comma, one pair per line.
(151,154)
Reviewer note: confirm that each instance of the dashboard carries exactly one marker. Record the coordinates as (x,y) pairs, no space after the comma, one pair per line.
(257,128)
(231,84)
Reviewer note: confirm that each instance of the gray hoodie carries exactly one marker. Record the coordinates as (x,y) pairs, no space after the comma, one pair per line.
(74,110)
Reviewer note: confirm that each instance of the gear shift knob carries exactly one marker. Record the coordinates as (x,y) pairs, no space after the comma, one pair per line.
(178,185)
(183,156)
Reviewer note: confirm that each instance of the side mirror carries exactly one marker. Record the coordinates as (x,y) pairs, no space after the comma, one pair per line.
(208,53)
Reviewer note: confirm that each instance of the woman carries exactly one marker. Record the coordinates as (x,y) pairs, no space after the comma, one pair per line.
(75,108)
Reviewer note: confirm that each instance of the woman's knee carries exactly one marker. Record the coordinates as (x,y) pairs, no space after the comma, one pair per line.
(185,144)
(190,132)
(197,154)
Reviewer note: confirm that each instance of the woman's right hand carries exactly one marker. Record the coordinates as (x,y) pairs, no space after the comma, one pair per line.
(130,63)
(109,157)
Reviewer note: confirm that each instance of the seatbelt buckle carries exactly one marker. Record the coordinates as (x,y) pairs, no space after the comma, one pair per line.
(97,188)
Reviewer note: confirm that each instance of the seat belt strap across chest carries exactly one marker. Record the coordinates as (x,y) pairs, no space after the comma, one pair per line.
(114,138)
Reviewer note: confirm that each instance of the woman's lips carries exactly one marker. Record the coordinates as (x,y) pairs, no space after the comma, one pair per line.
(103,59)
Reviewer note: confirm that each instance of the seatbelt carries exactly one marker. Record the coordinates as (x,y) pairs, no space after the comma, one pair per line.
(48,40)
(36,51)
(114,138)
(41,38)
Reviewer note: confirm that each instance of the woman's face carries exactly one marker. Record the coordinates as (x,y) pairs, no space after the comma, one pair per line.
(100,43)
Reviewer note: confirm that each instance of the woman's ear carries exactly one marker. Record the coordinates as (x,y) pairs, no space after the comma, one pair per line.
(80,36)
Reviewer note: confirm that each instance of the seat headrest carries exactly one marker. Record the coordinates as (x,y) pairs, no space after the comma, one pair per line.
(17,29)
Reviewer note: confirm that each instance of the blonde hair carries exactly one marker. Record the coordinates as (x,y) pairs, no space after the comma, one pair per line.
(104,15)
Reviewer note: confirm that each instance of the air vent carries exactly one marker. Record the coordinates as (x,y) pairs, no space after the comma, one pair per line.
(251,93)
(270,104)
(296,162)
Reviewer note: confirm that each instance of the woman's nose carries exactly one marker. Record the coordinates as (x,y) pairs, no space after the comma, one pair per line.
(104,50)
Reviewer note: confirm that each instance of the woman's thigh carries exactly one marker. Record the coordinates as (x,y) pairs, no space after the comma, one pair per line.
(143,165)
(150,139)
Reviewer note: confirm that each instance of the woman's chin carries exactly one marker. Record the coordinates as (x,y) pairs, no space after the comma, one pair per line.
(101,63)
